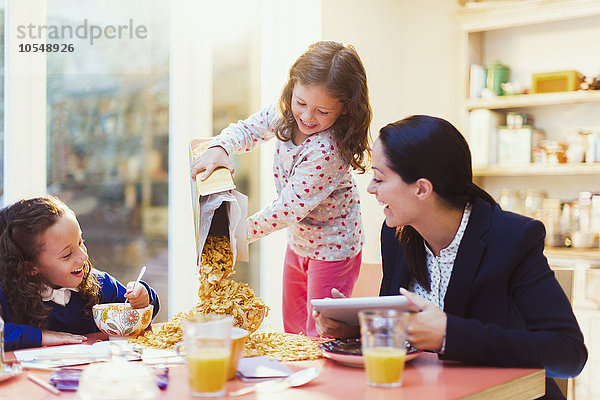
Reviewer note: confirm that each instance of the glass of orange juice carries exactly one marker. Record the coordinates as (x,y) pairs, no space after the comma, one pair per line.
(383,340)
(207,349)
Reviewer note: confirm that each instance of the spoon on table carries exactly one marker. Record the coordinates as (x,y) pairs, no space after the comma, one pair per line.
(142,271)
(298,378)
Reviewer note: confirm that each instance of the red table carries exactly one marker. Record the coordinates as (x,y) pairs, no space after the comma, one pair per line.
(426,377)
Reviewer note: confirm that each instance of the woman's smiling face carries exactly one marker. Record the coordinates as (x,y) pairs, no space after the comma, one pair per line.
(397,197)
(63,256)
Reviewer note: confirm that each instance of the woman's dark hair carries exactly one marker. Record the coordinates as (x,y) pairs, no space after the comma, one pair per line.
(21,227)
(341,71)
(421,146)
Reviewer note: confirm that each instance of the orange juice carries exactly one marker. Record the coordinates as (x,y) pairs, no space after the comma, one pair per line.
(384,365)
(208,370)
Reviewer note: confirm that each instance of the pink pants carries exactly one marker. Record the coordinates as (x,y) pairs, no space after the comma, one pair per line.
(305,279)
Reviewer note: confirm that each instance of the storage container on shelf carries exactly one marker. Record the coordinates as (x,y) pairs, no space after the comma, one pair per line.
(582,236)
(510,200)
(551,217)
(533,203)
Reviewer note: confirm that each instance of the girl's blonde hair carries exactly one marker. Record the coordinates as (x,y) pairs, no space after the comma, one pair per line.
(21,226)
(341,71)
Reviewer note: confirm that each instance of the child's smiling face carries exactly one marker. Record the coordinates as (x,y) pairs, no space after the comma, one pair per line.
(314,109)
(63,256)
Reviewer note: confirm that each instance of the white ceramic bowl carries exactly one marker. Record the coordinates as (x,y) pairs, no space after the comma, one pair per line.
(120,319)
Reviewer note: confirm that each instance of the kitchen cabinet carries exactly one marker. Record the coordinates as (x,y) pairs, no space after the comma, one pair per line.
(532,37)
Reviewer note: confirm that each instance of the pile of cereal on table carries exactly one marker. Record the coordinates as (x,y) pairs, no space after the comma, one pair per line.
(218,294)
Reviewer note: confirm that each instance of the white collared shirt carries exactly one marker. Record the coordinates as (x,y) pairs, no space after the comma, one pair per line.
(60,296)
(440,268)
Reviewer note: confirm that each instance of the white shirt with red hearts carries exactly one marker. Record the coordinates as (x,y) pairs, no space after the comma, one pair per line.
(317,198)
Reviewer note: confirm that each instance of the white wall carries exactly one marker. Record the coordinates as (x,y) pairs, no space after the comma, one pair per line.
(190,117)
(24,96)
(410,50)
(287,28)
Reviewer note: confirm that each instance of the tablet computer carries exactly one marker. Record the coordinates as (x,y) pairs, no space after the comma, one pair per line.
(346,308)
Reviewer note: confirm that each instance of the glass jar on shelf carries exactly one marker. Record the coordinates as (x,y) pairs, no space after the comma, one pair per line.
(515,120)
(551,217)
(510,200)
(592,152)
(555,152)
(584,203)
(533,203)
(582,235)
(569,222)
(576,146)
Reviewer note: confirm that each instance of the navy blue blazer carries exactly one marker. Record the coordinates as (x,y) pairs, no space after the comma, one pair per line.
(504,305)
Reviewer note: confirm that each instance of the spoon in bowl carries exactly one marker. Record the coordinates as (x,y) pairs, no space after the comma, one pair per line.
(142,271)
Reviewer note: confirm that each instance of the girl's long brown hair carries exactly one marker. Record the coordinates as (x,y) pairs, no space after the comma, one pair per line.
(21,226)
(340,69)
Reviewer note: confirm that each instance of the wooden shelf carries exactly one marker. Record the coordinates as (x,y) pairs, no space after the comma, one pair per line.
(534,100)
(538,170)
(514,32)
(567,252)
(519,13)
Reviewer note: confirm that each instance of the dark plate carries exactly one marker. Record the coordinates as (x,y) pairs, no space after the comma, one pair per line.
(343,346)
(348,352)
(353,347)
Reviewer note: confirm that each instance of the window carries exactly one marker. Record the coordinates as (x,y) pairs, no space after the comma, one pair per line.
(107,131)
(95,128)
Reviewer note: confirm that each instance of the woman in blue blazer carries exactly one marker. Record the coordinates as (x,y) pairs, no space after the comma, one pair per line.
(477,274)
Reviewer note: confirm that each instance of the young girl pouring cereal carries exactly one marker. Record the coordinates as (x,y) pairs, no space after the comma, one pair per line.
(322,126)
